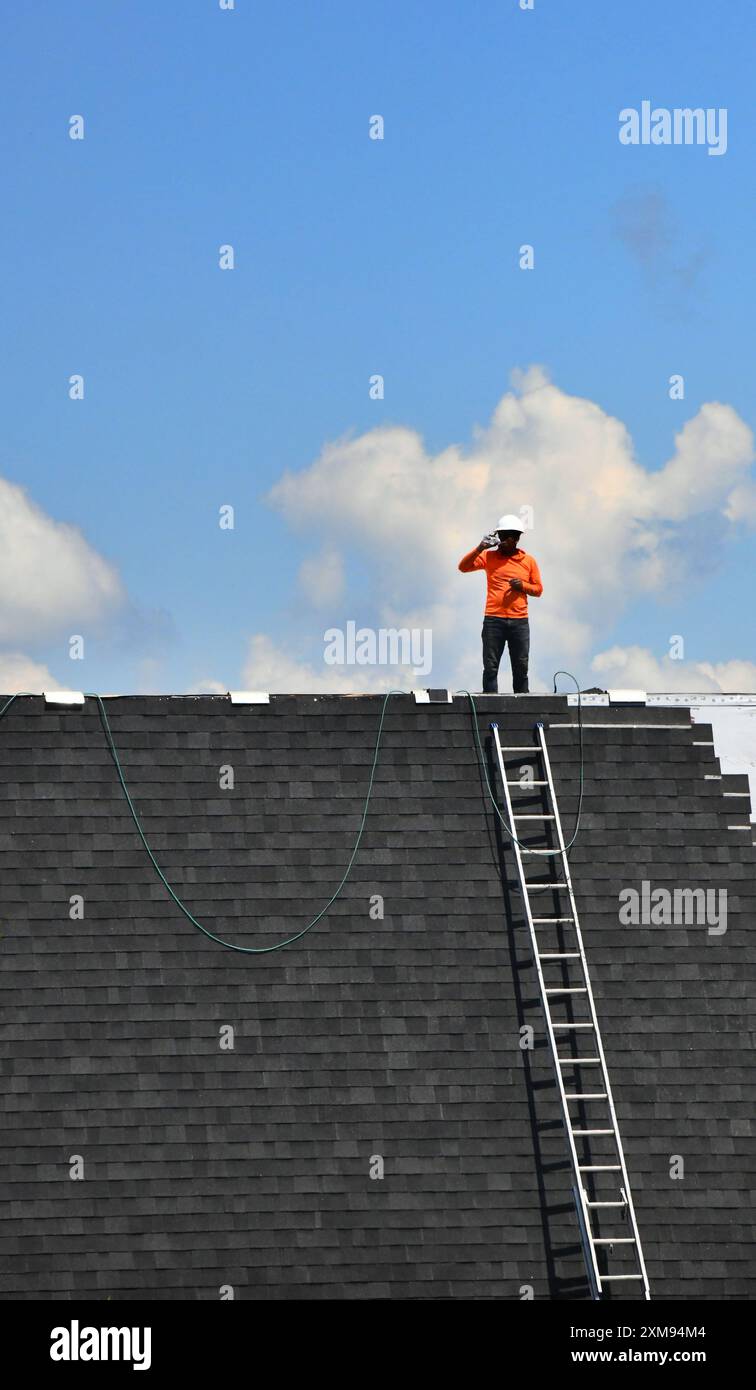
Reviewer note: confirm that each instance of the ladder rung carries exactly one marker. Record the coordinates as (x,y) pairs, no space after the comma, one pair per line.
(526,786)
(606,1204)
(578,1061)
(570,1025)
(538,920)
(613,1240)
(580,989)
(532,887)
(606,1277)
(592,1131)
(600,1168)
(559,955)
(533,816)
(521,748)
(586,1095)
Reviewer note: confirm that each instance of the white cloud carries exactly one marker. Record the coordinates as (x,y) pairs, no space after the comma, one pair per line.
(731,676)
(208,687)
(741,504)
(50,577)
(18,674)
(606,530)
(270,667)
(321,577)
(639,669)
(713,453)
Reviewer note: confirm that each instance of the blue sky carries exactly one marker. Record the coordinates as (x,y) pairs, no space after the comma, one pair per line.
(353,256)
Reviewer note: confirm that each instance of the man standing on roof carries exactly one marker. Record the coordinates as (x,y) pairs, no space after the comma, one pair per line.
(511,575)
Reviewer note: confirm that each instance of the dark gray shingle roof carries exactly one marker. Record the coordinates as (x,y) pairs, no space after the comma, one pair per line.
(396,1037)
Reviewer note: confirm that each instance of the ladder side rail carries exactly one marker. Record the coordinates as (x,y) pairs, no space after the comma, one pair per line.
(592,1007)
(586,1240)
(594,1274)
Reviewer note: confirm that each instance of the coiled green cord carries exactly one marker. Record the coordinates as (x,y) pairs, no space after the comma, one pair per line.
(279,945)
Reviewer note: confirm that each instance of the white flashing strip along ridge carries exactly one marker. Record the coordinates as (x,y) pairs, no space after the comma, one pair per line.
(693,699)
(609,697)
(660,700)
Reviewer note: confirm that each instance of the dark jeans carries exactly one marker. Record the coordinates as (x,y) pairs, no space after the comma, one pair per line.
(497,632)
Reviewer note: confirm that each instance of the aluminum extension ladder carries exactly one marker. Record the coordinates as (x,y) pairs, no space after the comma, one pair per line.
(574,987)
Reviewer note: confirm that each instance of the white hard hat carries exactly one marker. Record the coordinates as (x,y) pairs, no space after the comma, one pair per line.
(510,523)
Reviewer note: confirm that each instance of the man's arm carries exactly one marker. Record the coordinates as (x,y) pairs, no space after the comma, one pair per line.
(533,586)
(475,559)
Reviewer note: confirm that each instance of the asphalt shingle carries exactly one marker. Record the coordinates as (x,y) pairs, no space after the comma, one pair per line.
(389,1034)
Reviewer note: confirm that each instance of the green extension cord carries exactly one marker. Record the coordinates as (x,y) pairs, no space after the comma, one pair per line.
(279,946)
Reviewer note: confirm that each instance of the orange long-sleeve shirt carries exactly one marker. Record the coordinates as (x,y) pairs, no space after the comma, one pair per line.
(502,601)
